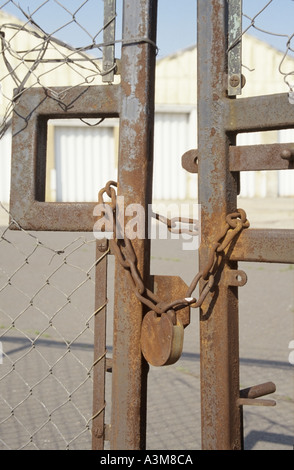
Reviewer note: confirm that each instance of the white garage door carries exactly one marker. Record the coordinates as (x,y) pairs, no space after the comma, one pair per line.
(5,163)
(85,161)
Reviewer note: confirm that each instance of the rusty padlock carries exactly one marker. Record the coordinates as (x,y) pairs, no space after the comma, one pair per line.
(162,338)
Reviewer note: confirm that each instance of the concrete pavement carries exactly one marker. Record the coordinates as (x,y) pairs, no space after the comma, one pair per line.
(174,422)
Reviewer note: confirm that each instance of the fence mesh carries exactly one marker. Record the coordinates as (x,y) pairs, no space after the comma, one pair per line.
(36,49)
(47,307)
(47,321)
(47,294)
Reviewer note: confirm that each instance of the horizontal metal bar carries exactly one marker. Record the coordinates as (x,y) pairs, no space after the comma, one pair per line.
(255,402)
(62,103)
(250,158)
(55,216)
(267,112)
(268,246)
(261,157)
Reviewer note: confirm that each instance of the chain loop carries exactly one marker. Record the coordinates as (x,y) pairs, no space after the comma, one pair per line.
(126,256)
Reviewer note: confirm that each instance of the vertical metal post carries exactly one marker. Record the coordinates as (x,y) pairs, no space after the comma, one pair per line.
(217,196)
(99,367)
(108,39)
(234,47)
(129,373)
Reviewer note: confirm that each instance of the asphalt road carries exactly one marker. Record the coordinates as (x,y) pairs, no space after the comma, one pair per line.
(45,394)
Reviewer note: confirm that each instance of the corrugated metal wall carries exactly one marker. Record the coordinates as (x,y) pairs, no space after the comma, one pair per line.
(85,161)
(253,183)
(267,183)
(171,136)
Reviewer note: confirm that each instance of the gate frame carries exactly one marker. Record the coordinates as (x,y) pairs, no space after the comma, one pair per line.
(218,188)
(220,119)
(135,170)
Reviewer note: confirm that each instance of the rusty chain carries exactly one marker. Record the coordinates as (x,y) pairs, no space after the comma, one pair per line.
(126,256)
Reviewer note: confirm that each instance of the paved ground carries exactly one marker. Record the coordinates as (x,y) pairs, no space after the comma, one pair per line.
(48,414)
(266,328)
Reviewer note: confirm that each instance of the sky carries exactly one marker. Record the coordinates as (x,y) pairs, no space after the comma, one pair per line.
(176,20)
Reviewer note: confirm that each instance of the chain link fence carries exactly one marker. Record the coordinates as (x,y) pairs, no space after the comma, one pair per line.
(260,19)
(50,43)
(47,295)
(47,280)
(47,335)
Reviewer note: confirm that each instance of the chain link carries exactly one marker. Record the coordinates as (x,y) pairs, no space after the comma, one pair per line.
(126,256)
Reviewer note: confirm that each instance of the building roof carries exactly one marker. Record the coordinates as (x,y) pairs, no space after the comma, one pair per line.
(263,67)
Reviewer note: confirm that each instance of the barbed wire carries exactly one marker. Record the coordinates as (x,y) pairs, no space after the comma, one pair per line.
(47,316)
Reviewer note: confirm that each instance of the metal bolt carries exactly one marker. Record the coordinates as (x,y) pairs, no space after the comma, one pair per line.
(287,155)
(102,245)
(234,81)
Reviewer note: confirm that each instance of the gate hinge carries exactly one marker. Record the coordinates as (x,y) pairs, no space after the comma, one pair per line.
(235,79)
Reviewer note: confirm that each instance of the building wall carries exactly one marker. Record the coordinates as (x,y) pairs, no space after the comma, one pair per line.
(81,158)
(85,160)
(5,161)
(176,84)
(86,157)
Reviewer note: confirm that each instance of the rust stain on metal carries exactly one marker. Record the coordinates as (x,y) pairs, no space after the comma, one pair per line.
(161,339)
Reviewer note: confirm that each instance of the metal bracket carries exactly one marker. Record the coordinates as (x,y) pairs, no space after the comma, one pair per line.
(250,396)
(190,161)
(235,278)
(109,40)
(249,158)
(235,79)
(175,286)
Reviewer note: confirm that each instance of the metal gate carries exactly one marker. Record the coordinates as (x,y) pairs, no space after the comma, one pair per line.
(221,117)
(143,301)
(133,102)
